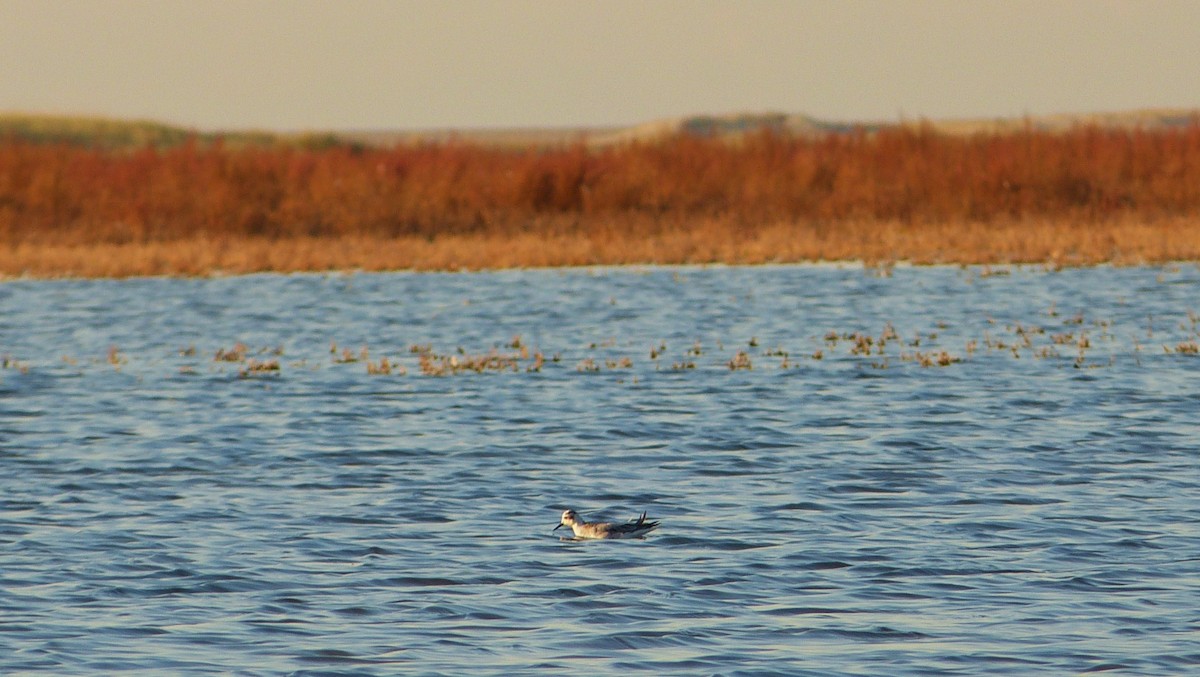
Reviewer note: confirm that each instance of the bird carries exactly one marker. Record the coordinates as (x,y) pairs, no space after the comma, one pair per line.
(631,529)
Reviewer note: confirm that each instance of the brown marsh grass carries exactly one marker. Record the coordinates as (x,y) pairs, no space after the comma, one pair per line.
(1127,241)
(1086,196)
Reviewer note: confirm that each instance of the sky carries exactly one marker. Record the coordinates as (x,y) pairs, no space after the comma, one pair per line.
(288,65)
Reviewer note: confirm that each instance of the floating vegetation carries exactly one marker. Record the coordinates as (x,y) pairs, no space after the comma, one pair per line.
(10,362)
(259,367)
(1064,339)
(659,350)
(433,364)
(740,360)
(385,367)
(1186,348)
(114,357)
(235,354)
(939,358)
(520,346)
(348,356)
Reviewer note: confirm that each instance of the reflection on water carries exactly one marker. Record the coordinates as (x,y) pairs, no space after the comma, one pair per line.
(831,503)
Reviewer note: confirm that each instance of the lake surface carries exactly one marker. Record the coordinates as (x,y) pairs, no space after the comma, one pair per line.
(928,471)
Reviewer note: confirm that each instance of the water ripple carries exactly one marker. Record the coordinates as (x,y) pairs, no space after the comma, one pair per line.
(824,513)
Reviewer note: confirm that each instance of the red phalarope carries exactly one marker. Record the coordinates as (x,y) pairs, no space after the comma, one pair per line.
(631,529)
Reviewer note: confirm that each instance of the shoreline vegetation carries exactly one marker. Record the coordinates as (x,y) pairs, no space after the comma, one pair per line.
(97,198)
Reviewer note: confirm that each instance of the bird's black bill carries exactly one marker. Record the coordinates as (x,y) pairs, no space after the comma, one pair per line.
(556,528)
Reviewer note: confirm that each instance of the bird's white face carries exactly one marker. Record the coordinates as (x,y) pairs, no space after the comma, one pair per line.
(569,517)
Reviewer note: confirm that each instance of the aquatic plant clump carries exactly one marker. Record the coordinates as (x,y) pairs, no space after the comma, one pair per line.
(1073,341)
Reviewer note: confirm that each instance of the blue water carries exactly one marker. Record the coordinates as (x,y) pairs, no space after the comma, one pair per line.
(1030,507)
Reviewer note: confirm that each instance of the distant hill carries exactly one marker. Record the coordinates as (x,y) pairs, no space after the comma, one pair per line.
(91,131)
(127,134)
(118,134)
(735,125)
(1148,119)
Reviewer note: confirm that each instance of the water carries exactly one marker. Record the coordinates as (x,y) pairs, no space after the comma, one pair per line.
(1030,508)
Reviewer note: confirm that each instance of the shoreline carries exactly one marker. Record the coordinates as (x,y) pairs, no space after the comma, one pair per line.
(1051,243)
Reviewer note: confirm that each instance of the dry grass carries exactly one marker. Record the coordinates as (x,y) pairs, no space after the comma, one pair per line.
(1086,196)
(1126,241)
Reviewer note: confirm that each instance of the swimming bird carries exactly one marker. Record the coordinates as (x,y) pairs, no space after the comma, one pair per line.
(631,529)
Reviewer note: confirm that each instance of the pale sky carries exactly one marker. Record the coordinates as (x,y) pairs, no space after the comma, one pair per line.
(369,64)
